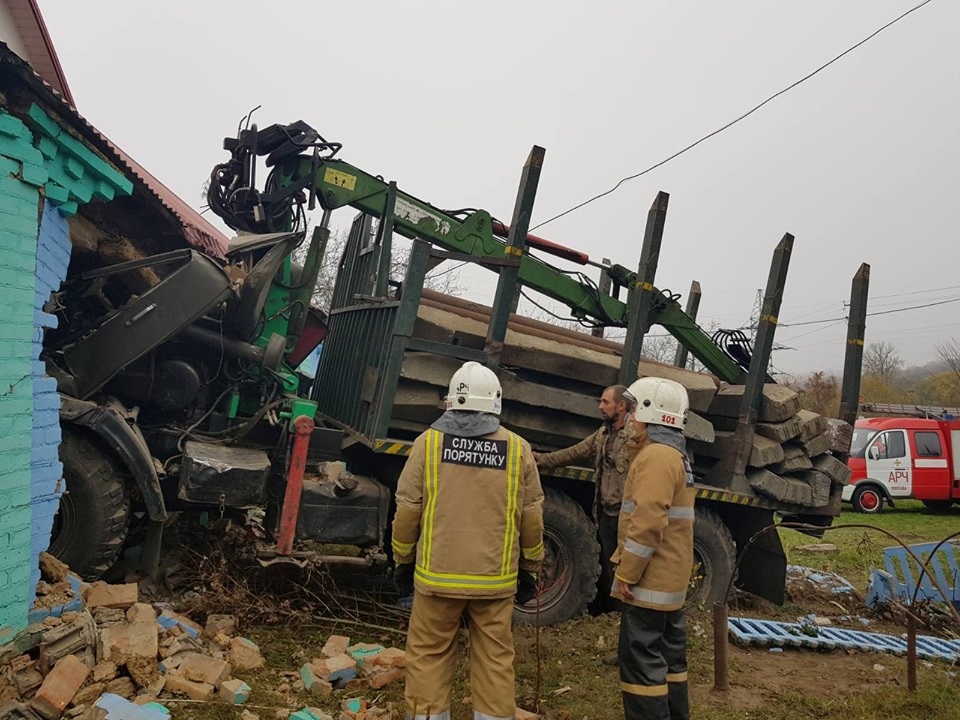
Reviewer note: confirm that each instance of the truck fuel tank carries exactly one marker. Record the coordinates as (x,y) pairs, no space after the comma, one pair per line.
(339,507)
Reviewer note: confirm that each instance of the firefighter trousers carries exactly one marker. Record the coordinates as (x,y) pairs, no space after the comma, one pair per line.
(653,664)
(607,535)
(431,656)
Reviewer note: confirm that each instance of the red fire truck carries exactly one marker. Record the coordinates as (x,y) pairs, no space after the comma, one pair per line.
(904,457)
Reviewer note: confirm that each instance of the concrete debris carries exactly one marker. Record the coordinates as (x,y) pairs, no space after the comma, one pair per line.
(247,715)
(522,714)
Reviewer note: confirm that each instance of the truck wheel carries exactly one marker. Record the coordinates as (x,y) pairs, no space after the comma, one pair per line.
(571,563)
(91,524)
(714,559)
(937,505)
(867,499)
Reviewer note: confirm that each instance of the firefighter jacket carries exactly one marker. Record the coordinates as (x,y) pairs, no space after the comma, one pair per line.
(611,468)
(655,535)
(470,513)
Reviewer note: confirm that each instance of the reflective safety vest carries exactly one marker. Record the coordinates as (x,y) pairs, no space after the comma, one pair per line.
(472,510)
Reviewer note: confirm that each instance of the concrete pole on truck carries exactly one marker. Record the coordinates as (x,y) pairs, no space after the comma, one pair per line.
(693,307)
(508,288)
(640,297)
(735,464)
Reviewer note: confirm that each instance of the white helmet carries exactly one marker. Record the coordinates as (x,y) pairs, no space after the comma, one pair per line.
(474,388)
(660,402)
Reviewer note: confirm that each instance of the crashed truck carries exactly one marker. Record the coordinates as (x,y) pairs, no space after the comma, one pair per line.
(180,389)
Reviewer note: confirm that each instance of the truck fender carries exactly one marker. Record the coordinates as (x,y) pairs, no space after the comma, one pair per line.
(115,426)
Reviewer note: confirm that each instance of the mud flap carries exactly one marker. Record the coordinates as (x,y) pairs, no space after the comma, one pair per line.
(763,569)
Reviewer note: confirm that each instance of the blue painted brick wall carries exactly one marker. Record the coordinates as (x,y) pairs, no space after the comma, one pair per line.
(46,472)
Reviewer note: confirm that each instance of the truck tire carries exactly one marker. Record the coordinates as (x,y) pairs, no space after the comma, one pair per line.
(714,559)
(571,564)
(867,499)
(937,506)
(91,524)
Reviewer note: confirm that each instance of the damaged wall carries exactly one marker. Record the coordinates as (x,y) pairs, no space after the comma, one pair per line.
(45,174)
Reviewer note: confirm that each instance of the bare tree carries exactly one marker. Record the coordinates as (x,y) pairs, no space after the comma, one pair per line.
(881,360)
(949,354)
(662,348)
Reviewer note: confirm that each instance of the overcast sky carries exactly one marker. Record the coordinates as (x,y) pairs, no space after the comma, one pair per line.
(860,163)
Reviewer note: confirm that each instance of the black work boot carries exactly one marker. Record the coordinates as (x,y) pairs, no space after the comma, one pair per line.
(643,707)
(678,700)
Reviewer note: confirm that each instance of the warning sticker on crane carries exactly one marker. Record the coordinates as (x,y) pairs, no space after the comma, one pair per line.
(340,179)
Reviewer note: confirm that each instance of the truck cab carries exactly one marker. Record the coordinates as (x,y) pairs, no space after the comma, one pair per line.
(894,458)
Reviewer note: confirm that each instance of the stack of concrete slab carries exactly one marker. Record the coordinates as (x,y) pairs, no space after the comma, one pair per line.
(552,378)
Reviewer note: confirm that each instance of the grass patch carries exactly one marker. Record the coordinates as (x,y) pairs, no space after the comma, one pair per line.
(860,550)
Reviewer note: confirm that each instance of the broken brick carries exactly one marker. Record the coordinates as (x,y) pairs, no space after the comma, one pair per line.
(89,694)
(77,633)
(220,624)
(25,675)
(340,667)
(141,612)
(59,687)
(313,684)
(309,713)
(142,670)
(104,670)
(169,619)
(235,692)
(129,639)
(122,686)
(335,645)
(389,658)
(183,686)
(244,655)
(204,669)
(361,651)
(385,677)
(99,594)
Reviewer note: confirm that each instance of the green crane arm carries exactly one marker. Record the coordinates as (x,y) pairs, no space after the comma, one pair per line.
(335,183)
(340,184)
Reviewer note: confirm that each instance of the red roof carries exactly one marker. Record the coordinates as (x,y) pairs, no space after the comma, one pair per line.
(197,231)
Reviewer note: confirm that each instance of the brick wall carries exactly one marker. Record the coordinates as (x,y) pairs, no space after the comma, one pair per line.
(46,472)
(45,174)
(19,204)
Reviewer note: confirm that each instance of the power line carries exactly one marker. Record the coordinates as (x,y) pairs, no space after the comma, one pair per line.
(734,121)
(873,314)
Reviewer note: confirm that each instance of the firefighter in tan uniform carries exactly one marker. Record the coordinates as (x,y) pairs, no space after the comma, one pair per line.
(467,540)
(654,557)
